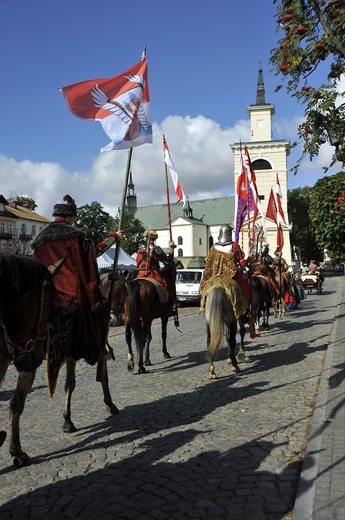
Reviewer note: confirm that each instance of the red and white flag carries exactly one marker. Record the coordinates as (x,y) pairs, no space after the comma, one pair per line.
(279,198)
(167,158)
(121,104)
(256,204)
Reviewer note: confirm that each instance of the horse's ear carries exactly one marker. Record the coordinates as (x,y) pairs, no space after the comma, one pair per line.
(56,266)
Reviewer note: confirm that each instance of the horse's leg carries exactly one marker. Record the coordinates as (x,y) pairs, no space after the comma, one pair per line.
(128,336)
(241,354)
(102,377)
(17,403)
(164,338)
(231,340)
(148,336)
(68,426)
(211,370)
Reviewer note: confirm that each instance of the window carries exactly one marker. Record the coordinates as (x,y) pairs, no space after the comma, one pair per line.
(33,230)
(200,242)
(261,164)
(10,228)
(2,228)
(180,252)
(180,241)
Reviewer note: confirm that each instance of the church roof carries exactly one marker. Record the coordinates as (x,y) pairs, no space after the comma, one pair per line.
(210,212)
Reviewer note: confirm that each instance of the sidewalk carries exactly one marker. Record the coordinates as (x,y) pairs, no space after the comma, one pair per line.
(321,491)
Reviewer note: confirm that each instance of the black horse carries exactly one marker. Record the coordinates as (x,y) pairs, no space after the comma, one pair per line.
(261,301)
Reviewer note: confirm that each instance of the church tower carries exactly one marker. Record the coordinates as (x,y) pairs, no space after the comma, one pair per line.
(131,199)
(268,158)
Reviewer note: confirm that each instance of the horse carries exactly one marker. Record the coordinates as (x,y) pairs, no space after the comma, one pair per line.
(285,287)
(29,334)
(262,294)
(142,305)
(220,317)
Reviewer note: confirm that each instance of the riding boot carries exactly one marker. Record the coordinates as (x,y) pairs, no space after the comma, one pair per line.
(171,311)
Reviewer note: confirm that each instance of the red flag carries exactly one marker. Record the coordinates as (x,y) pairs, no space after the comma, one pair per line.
(121,104)
(272,213)
(167,158)
(280,239)
(272,210)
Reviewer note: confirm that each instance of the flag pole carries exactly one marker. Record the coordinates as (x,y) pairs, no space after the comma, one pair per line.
(176,320)
(112,276)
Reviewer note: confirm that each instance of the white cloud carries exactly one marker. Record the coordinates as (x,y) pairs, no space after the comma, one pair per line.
(199,148)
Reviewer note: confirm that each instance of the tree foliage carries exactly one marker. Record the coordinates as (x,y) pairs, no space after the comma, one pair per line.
(94,221)
(327,215)
(314,38)
(303,240)
(133,232)
(26,202)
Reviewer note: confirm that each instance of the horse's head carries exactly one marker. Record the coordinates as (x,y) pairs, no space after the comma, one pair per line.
(25,296)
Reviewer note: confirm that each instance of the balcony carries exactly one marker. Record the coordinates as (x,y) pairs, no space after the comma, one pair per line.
(5,236)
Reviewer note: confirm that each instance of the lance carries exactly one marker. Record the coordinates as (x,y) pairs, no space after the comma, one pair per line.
(113,276)
(176,321)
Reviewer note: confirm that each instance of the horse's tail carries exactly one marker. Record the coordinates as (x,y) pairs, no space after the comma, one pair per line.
(133,290)
(216,321)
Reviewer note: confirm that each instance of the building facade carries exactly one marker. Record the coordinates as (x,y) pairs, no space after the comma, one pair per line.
(19,227)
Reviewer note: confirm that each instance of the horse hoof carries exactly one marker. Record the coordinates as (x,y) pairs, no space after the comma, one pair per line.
(212,376)
(130,367)
(142,370)
(22,460)
(241,357)
(236,369)
(113,409)
(2,437)
(69,427)
(148,363)
(167,355)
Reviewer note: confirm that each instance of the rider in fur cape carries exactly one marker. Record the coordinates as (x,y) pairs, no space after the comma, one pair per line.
(77,282)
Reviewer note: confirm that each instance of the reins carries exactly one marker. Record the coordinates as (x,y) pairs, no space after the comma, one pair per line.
(18,348)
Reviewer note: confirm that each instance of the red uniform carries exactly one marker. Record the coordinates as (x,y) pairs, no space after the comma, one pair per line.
(148,260)
(76,284)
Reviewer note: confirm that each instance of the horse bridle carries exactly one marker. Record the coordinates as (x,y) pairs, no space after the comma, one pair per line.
(18,348)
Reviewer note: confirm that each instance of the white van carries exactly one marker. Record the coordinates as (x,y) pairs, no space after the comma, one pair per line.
(188,284)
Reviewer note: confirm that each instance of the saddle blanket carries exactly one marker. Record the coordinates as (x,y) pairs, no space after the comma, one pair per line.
(161,290)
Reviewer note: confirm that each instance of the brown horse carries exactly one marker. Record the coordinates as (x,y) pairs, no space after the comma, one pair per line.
(220,317)
(142,306)
(28,335)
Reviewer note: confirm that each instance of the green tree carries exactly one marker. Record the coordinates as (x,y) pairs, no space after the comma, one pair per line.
(327,215)
(94,221)
(314,38)
(133,232)
(303,240)
(26,202)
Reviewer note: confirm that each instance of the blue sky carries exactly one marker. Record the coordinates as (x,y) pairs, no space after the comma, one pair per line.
(203,60)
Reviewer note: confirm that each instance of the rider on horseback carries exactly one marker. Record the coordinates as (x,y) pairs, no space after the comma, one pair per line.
(224,264)
(148,259)
(77,282)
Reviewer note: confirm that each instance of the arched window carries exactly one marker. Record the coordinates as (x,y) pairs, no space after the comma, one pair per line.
(210,242)
(261,164)
(180,241)
(180,252)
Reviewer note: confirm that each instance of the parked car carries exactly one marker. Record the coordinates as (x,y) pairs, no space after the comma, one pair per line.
(187,285)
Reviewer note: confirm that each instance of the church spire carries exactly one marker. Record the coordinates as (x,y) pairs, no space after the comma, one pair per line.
(260,89)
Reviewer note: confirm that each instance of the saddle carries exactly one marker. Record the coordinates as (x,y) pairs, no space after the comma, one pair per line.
(161,290)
